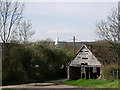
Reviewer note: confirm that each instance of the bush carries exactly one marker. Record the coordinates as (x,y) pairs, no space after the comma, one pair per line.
(51,59)
(13,69)
(108,71)
(34,62)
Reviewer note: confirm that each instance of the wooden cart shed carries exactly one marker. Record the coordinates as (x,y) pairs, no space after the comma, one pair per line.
(84,65)
(89,60)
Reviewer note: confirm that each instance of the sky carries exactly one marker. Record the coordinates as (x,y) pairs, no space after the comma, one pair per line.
(66,19)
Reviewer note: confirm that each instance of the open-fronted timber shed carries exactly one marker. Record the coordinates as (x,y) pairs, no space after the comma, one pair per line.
(86,65)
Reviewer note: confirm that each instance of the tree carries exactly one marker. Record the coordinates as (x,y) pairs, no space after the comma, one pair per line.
(10,16)
(109,30)
(25,31)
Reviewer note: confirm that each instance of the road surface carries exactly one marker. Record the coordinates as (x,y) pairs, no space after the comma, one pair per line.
(50,85)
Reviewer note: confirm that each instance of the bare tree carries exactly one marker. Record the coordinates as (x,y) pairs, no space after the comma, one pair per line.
(25,31)
(109,30)
(10,16)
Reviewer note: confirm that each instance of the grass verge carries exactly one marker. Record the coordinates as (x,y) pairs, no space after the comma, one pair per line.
(94,83)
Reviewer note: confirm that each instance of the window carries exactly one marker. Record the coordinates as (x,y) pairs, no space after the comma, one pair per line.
(84,51)
(84,63)
(84,58)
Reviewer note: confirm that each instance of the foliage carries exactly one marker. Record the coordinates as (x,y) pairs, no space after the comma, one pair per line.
(108,70)
(49,59)
(33,62)
(94,83)
(13,65)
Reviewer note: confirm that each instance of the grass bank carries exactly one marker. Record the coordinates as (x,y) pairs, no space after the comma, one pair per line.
(94,83)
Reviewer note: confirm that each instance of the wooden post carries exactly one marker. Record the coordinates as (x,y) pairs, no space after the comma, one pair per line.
(68,72)
(81,72)
(74,45)
(100,73)
(113,75)
(117,74)
(85,73)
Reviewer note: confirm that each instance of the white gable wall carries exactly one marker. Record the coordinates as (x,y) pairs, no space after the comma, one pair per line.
(85,56)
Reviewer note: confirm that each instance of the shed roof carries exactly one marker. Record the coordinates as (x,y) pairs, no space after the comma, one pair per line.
(104,54)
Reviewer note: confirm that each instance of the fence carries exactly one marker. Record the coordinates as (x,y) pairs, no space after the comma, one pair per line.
(116,74)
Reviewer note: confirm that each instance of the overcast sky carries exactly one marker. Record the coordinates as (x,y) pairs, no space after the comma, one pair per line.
(66,19)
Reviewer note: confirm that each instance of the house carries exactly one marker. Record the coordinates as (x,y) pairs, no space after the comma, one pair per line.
(88,62)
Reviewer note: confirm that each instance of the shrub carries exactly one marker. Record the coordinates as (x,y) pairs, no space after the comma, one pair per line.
(13,69)
(34,62)
(108,71)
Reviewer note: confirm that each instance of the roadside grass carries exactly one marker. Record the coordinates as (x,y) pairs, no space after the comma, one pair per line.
(94,83)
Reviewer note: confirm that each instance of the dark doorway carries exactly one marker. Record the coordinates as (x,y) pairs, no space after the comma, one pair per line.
(94,72)
(84,72)
(87,72)
(97,73)
(74,73)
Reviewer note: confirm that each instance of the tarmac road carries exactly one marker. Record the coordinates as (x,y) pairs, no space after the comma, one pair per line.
(50,85)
